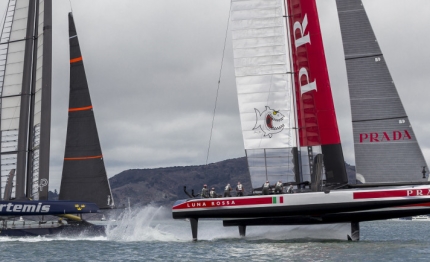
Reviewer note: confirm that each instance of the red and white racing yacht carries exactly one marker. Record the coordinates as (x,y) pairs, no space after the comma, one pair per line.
(290,129)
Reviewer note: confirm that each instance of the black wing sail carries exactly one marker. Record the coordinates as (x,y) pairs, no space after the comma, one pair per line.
(84,174)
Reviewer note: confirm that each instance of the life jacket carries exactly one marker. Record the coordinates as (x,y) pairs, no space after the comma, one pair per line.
(239,187)
(279,184)
(266,185)
(227,188)
(212,193)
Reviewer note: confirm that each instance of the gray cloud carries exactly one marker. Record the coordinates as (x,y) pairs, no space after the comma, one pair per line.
(153,68)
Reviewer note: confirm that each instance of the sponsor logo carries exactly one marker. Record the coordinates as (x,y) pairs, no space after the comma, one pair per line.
(393,193)
(269,121)
(418,192)
(24,208)
(299,41)
(396,135)
(210,203)
(79,207)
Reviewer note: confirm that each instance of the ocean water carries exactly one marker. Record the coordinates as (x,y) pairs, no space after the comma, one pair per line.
(149,234)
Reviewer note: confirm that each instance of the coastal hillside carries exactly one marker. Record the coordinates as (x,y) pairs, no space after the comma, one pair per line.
(163,186)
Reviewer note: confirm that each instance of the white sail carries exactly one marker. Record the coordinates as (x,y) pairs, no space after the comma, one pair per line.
(264,90)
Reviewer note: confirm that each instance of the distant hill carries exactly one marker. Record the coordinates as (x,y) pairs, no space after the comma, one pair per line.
(163,186)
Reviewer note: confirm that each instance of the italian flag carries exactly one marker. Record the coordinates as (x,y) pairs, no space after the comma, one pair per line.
(277,200)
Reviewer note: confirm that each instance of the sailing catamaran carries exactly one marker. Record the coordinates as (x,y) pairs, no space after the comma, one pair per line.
(290,130)
(25,97)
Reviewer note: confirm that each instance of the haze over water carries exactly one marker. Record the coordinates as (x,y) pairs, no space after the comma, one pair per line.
(149,234)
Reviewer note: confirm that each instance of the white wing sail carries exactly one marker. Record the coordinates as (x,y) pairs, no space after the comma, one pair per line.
(264,89)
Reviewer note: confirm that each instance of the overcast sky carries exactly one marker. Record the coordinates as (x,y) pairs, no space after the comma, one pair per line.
(153,67)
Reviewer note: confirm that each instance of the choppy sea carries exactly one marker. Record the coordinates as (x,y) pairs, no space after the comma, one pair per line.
(149,234)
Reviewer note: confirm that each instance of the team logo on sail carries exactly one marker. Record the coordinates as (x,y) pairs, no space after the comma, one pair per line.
(269,121)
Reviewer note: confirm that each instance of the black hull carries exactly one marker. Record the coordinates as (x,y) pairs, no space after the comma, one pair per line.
(326,219)
(82,228)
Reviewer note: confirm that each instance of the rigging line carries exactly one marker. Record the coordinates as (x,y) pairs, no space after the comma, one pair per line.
(219,82)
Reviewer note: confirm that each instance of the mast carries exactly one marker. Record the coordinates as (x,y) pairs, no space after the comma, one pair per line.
(386,149)
(315,108)
(41,124)
(84,174)
(21,162)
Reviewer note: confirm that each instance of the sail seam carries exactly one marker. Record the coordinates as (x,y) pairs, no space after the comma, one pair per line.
(373,98)
(243,48)
(14,41)
(355,121)
(255,28)
(268,74)
(362,56)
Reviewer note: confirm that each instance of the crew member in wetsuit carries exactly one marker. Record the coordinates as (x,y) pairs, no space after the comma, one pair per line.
(227,190)
(290,189)
(266,188)
(205,192)
(239,189)
(279,188)
(212,193)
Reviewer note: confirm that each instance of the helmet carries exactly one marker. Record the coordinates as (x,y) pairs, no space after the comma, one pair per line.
(204,185)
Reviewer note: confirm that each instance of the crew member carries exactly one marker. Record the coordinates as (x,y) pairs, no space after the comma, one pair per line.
(227,190)
(205,192)
(290,189)
(212,193)
(266,188)
(239,189)
(279,188)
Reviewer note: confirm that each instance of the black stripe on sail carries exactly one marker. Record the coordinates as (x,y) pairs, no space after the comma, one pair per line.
(84,174)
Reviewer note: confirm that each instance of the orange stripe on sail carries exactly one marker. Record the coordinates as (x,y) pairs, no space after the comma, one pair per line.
(83,157)
(74,60)
(80,108)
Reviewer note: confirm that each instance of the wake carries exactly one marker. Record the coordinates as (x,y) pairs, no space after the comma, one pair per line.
(155,224)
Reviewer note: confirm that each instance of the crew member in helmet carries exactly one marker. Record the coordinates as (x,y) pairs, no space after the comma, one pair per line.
(212,193)
(279,187)
(205,192)
(239,189)
(266,188)
(227,190)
